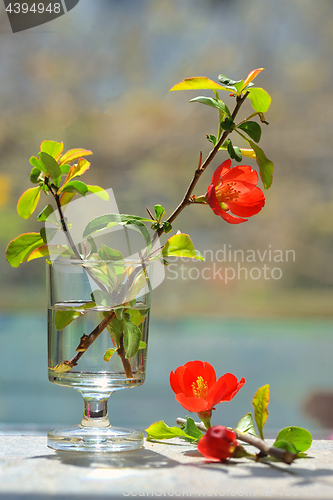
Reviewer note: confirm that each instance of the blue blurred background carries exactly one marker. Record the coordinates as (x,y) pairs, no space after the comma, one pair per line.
(98,77)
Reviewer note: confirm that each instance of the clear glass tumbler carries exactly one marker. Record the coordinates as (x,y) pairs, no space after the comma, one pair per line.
(98,319)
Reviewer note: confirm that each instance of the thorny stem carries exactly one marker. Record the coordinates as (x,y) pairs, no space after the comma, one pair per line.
(265,449)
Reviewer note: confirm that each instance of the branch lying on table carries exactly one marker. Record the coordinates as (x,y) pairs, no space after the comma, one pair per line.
(283,455)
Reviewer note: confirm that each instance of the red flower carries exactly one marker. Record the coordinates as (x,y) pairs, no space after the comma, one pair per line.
(235,189)
(218,442)
(196,387)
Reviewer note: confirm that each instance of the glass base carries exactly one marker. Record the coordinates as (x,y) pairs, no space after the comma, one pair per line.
(95,439)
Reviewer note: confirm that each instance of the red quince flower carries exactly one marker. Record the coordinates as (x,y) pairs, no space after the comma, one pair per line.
(218,443)
(235,189)
(197,389)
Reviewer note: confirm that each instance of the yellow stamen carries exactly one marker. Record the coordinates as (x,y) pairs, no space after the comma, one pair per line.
(200,388)
(226,192)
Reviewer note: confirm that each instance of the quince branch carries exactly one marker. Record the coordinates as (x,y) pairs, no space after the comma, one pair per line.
(265,450)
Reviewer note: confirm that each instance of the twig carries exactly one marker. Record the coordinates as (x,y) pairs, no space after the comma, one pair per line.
(87,340)
(283,455)
(62,219)
(273,451)
(68,234)
(150,214)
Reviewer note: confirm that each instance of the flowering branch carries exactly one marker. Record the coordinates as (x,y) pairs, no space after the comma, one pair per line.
(233,191)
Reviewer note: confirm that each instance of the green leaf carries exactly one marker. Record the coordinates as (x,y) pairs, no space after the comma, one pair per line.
(285,445)
(260,99)
(142,345)
(35,175)
(246,424)
(93,246)
(234,85)
(120,314)
(212,139)
(65,169)
(160,430)
(115,328)
(260,403)
(110,352)
(107,253)
(108,220)
(47,250)
(251,76)
(42,233)
(197,83)
(51,165)
(167,227)
(191,429)
(61,368)
(64,317)
(159,212)
(37,163)
(266,166)
(228,125)
(234,151)
(74,154)
(132,336)
(103,299)
(180,245)
(214,103)
(252,129)
(100,192)
(21,247)
(77,170)
(45,213)
(75,187)
(135,316)
(300,438)
(28,202)
(52,148)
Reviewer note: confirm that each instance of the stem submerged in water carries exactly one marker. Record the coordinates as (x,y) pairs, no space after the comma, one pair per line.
(87,340)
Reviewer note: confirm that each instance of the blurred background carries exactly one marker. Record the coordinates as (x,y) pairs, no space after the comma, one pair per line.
(99,78)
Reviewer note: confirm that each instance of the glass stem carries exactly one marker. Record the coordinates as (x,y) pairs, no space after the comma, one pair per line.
(95,412)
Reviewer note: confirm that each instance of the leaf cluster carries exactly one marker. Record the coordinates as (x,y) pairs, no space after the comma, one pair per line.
(293,439)
(160,431)
(158,224)
(57,175)
(248,129)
